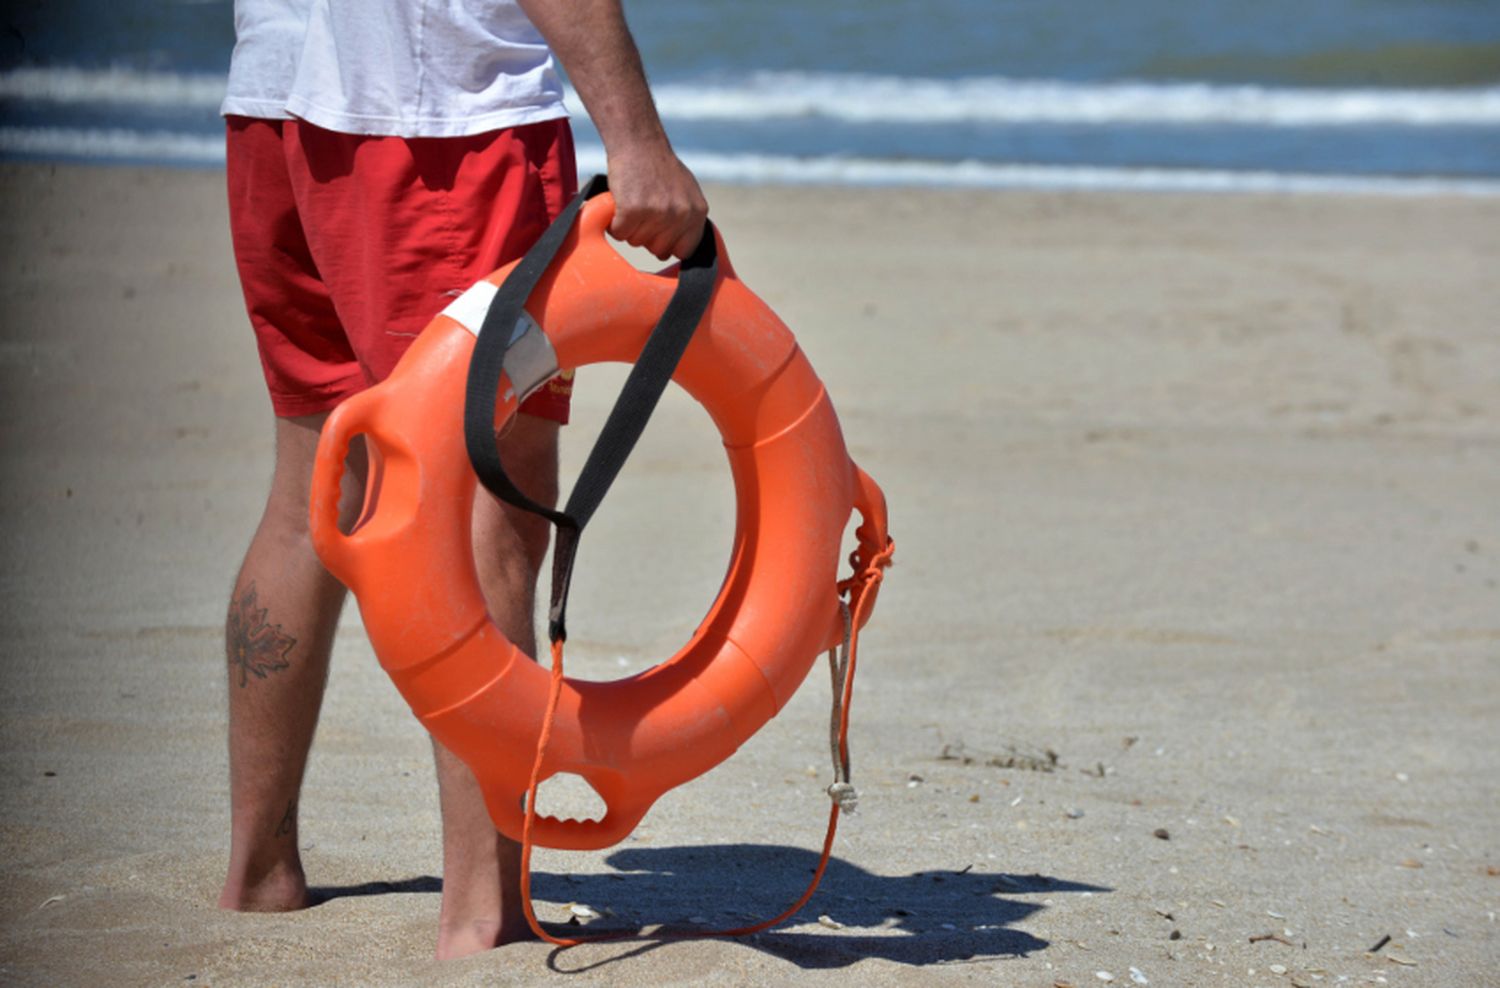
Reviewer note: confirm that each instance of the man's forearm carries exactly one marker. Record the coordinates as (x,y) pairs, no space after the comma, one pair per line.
(658,204)
(595,46)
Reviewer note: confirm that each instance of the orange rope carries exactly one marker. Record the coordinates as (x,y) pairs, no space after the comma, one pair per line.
(536,772)
(858,588)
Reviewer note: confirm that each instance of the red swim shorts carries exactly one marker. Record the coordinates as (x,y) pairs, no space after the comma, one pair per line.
(348,245)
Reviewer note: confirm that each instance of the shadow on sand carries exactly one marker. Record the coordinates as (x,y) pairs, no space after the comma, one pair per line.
(319,894)
(927,917)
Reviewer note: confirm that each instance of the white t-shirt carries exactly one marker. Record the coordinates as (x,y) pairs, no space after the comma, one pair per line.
(410,68)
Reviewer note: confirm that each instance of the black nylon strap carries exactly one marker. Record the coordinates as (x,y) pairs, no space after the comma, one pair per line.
(627,420)
(488,359)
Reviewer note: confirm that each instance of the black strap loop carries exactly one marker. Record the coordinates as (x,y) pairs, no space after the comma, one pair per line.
(627,420)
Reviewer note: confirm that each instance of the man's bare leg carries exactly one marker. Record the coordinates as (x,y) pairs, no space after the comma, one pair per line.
(481,905)
(278,635)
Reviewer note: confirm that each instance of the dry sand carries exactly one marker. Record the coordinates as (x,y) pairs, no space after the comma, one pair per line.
(1200,493)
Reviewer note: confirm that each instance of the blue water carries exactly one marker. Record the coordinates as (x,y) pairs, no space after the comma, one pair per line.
(1360,94)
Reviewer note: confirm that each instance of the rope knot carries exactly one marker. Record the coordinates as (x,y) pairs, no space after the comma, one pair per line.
(845,796)
(869,569)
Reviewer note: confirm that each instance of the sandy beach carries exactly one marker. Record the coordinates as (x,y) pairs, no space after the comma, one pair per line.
(1188,673)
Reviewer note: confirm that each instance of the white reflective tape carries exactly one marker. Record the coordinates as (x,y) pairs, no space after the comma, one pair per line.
(470,308)
(530,362)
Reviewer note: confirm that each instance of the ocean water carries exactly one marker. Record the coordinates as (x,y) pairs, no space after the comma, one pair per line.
(1360,95)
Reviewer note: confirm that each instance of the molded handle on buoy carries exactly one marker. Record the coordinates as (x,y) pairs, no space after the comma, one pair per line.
(583,835)
(597,214)
(869,501)
(333,546)
(593,229)
(626,803)
(873,535)
(593,236)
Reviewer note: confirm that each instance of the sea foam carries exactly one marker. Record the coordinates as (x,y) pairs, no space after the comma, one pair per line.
(193,149)
(876,99)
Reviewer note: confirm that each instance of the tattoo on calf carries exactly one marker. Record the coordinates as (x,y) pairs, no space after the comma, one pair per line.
(288,819)
(254,644)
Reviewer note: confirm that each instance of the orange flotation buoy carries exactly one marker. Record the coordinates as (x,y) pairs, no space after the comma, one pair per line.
(410,562)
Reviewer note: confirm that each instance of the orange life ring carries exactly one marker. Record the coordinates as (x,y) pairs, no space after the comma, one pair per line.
(411,567)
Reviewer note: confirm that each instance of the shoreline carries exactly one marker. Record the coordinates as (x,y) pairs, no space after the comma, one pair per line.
(40,147)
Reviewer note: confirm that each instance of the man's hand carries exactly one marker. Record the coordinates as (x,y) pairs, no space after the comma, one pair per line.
(658,204)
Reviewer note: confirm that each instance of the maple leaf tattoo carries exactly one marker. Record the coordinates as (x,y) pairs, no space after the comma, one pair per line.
(255,645)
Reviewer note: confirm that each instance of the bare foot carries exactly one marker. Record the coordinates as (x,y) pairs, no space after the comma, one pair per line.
(282,889)
(475,936)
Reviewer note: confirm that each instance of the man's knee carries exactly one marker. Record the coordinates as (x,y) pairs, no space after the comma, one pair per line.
(529,451)
(291,485)
(508,539)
